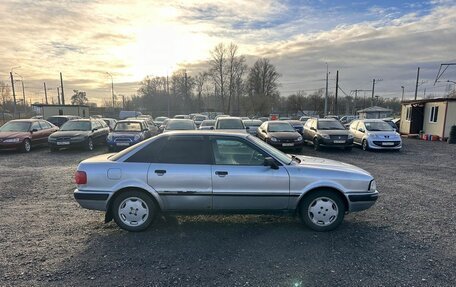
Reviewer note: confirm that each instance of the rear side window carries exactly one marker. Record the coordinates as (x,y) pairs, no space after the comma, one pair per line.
(185,150)
(149,153)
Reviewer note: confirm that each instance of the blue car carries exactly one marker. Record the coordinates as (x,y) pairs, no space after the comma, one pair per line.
(127,133)
(297,125)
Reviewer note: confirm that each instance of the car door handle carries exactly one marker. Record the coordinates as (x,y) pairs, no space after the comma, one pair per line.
(221,173)
(160,172)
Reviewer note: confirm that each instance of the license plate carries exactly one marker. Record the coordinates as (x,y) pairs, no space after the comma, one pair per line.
(387,143)
(339,141)
(122,144)
(63,143)
(288,144)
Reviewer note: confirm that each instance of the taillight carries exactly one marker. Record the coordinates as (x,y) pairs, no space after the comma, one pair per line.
(80,177)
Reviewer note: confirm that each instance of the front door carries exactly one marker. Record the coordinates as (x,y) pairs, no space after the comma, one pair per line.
(181,173)
(240,181)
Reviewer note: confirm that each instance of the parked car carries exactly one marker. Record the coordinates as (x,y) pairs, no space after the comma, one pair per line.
(332,117)
(391,123)
(245,118)
(128,114)
(150,124)
(198,119)
(163,125)
(375,134)
(179,125)
(23,135)
(159,120)
(127,133)
(252,126)
(181,117)
(304,119)
(280,134)
(347,119)
(207,125)
(327,133)
(60,120)
(206,172)
(110,122)
(397,122)
(263,119)
(297,125)
(81,133)
(231,124)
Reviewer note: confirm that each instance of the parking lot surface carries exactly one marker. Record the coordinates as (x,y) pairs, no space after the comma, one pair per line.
(407,238)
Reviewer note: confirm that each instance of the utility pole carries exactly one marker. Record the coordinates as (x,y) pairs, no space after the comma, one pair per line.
(373,91)
(123,102)
(326,92)
(45,93)
(23,96)
(14,93)
(417,79)
(58,95)
(112,89)
(402,98)
(167,91)
(337,90)
(63,91)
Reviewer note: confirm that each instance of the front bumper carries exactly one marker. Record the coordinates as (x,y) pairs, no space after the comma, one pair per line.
(358,201)
(122,144)
(286,145)
(380,144)
(6,146)
(335,142)
(95,200)
(72,143)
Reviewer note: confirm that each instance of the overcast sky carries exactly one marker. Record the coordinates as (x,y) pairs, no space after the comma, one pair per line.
(364,40)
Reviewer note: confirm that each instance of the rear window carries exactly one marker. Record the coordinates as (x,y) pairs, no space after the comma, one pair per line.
(230,124)
(180,125)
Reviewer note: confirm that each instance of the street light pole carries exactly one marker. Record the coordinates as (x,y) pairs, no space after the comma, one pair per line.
(326,91)
(23,92)
(112,89)
(12,87)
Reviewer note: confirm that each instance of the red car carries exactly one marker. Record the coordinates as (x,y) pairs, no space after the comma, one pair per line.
(24,134)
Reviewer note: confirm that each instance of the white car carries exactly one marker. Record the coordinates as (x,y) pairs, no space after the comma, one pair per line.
(375,134)
(230,124)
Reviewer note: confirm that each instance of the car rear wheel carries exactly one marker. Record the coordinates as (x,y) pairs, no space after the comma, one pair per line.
(89,145)
(322,210)
(365,145)
(316,144)
(134,210)
(26,146)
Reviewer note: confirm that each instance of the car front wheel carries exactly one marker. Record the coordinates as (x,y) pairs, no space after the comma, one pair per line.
(316,144)
(322,210)
(26,146)
(89,145)
(365,145)
(134,210)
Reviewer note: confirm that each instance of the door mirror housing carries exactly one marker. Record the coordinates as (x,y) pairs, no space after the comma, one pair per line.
(269,161)
(95,129)
(314,129)
(361,130)
(33,131)
(247,128)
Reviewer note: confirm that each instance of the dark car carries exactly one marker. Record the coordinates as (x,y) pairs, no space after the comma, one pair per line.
(159,120)
(207,125)
(60,120)
(127,133)
(24,134)
(252,126)
(81,133)
(297,125)
(179,125)
(163,125)
(280,134)
(328,133)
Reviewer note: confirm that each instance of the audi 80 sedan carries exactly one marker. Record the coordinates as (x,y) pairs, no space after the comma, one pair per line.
(219,172)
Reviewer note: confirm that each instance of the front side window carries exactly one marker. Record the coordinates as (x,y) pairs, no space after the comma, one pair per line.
(184,150)
(35,126)
(236,152)
(434,114)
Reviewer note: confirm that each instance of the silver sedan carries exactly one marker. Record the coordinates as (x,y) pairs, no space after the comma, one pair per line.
(205,172)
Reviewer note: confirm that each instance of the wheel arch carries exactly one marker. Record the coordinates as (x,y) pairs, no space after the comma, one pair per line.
(109,215)
(337,191)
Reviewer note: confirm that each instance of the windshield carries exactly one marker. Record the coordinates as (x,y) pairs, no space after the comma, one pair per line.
(207,123)
(271,150)
(378,126)
(330,125)
(160,119)
(199,118)
(76,126)
(253,123)
(15,127)
(280,127)
(230,124)
(128,127)
(180,125)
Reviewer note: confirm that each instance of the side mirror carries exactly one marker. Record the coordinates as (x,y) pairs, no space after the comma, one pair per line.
(247,128)
(211,128)
(361,130)
(95,129)
(33,131)
(312,128)
(269,161)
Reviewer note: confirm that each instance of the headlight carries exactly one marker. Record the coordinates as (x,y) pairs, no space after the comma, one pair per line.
(273,139)
(325,136)
(372,135)
(13,140)
(372,186)
(350,136)
(299,139)
(137,137)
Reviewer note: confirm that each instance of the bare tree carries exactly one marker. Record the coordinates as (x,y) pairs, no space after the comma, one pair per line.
(218,63)
(200,82)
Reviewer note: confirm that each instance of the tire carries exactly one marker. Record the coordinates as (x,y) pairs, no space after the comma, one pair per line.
(89,145)
(26,146)
(365,145)
(144,207)
(316,144)
(329,207)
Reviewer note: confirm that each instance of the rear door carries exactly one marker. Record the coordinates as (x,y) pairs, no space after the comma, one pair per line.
(181,173)
(240,181)
(38,135)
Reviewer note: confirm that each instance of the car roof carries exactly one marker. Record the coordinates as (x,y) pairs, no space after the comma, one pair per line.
(327,120)
(229,118)
(26,120)
(132,121)
(205,133)
(372,120)
(279,121)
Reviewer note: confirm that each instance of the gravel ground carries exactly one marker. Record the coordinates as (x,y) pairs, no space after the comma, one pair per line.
(408,238)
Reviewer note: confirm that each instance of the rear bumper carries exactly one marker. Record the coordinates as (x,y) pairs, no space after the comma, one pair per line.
(95,200)
(361,201)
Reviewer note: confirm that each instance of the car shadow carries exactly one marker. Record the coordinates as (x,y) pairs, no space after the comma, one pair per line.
(231,250)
